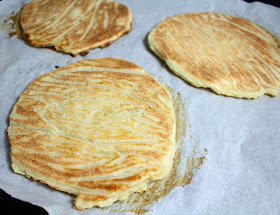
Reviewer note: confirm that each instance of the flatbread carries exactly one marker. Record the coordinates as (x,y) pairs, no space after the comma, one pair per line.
(230,55)
(100,129)
(74,26)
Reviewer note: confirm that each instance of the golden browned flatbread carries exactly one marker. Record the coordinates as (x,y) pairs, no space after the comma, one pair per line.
(74,26)
(99,129)
(230,55)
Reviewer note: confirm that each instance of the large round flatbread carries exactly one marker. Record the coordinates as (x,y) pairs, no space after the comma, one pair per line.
(230,55)
(74,26)
(100,129)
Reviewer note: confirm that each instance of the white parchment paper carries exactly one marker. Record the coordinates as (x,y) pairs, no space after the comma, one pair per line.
(241,173)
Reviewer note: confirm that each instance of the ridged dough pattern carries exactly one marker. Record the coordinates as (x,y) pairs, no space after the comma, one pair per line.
(100,129)
(231,55)
(74,26)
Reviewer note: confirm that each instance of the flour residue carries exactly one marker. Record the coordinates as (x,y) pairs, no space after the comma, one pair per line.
(181,173)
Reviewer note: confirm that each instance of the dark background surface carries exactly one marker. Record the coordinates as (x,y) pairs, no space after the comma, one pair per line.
(15,206)
(272,2)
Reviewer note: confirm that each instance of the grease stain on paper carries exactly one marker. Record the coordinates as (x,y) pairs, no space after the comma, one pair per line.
(180,175)
(8,24)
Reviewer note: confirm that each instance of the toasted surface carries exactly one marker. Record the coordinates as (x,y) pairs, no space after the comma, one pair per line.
(100,129)
(74,26)
(230,55)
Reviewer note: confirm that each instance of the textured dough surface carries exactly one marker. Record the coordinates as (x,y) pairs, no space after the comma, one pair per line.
(230,55)
(74,26)
(100,129)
